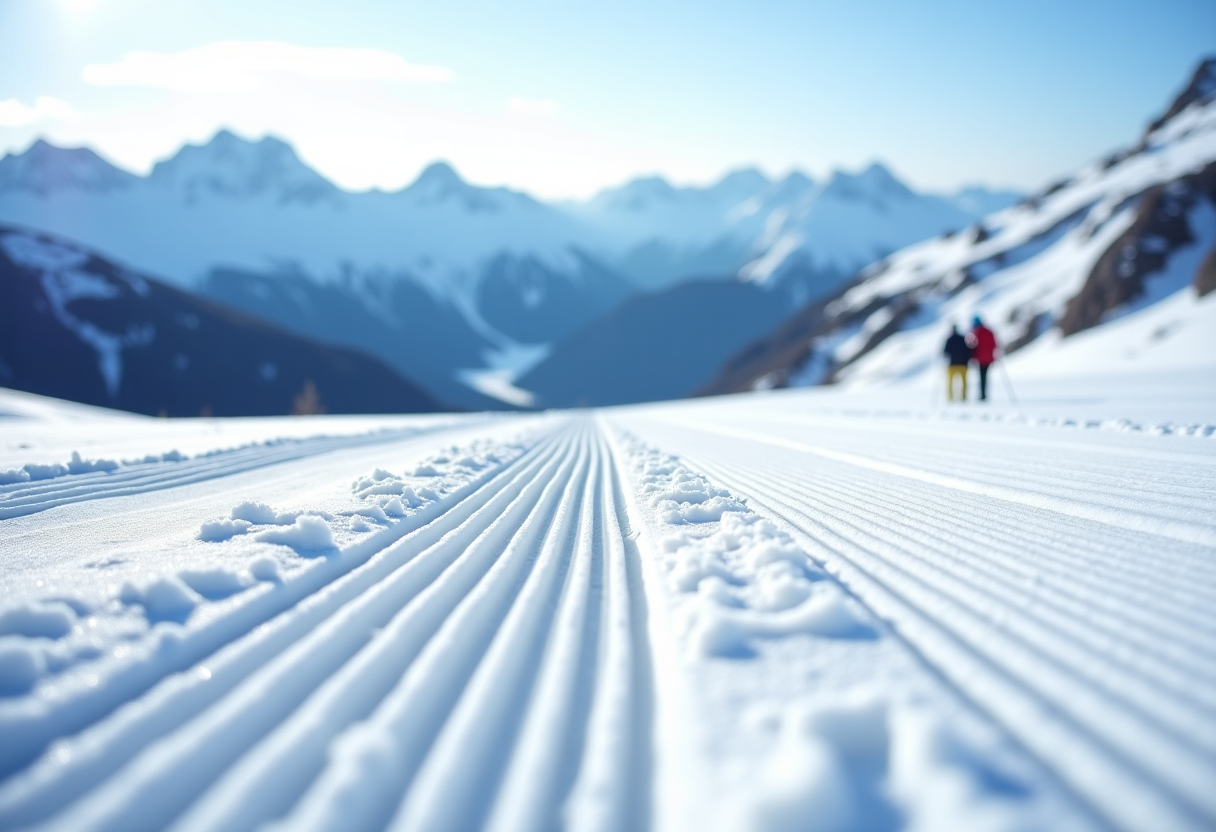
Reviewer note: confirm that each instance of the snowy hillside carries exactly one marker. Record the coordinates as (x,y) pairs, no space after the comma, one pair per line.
(1114,241)
(810,609)
(75,325)
(794,234)
(444,278)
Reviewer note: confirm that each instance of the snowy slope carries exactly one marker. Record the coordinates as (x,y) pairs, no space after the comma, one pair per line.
(793,234)
(810,609)
(1119,236)
(75,325)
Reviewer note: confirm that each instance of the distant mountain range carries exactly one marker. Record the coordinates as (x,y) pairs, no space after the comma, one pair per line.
(460,287)
(1123,234)
(75,325)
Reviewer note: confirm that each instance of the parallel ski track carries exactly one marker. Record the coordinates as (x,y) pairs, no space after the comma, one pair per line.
(456,641)
(30,726)
(1097,700)
(30,498)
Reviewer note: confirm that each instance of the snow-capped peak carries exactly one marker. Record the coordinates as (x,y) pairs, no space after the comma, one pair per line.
(1201,88)
(438,175)
(438,181)
(234,167)
(740,184)
(794,186)
(638,195)
(874,183)
(44,169)
(440,184)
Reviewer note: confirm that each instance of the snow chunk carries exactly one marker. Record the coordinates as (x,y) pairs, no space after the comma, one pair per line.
(38,620)
(372,512)
(45,472)
(77,465)
(388,487)
(392,506)
(164,598)
(217,530)
(259,513)
(266,569)
(10,476)
(309,533)
(214,583)
(21,663)
(701,512)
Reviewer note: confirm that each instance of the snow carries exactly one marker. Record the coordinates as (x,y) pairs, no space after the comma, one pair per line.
(254,207)
(305,533)
(1034,260)
(806,609)
(1174,335)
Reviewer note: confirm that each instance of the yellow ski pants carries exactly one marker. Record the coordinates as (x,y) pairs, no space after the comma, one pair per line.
(954,371)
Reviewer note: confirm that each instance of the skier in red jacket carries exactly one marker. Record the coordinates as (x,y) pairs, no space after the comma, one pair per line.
(983,351)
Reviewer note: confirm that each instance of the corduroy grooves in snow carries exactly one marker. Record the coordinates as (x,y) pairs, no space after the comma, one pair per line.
(791,611)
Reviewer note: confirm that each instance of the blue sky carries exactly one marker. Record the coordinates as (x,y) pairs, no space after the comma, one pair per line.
(562,98)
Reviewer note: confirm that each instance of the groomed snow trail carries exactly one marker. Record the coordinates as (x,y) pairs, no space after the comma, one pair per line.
(1065,591)
(747,614)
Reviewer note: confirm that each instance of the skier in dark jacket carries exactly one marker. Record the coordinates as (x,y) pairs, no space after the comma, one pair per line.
(958,354)
(983,351)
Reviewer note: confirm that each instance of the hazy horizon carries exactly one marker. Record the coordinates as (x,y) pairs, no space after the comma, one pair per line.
(562,103)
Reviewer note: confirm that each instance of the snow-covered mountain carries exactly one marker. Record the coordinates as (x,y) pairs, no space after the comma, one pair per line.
(794,234)
(77,326)
(1124,238)
(445,280)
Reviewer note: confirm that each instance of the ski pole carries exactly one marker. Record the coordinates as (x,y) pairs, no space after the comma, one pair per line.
(1008,383)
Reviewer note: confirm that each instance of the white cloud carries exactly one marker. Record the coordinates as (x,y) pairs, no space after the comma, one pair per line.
(246,66)
(533,108)
(15,114)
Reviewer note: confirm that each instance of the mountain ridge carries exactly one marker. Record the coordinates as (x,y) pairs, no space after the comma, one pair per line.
(77,326)
(519,274)
(1121,235)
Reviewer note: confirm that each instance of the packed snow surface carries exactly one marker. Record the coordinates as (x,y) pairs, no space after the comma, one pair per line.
(805,610)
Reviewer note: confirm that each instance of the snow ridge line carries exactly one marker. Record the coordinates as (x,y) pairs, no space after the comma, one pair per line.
(33,499)
(1062,726)
(250,637)
(1175,529)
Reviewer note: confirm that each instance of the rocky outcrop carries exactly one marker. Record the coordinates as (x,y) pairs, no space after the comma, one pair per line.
(1161,227)
(1201,86)
(1120,234)
(1205,277)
